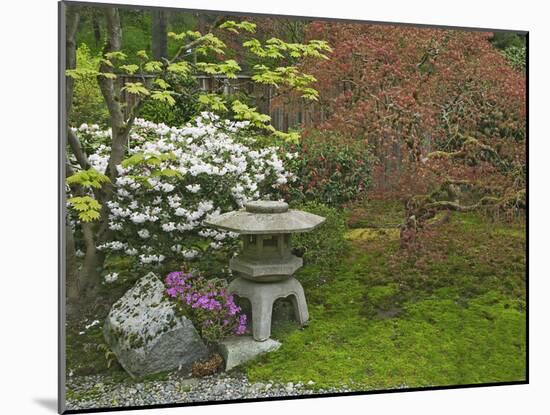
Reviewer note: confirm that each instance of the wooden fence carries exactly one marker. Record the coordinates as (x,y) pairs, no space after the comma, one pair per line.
(285,114)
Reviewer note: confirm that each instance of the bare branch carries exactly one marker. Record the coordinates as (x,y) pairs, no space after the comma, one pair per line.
(69,171)
(77,150)
(196,42)
(183,48)
(447,205)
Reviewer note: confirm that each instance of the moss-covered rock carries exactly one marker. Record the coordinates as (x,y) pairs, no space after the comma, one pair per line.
(146,334)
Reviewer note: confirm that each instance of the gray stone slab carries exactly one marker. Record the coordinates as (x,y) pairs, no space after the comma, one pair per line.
(237,350)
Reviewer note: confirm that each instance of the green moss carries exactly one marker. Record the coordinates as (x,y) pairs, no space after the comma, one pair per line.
(451,313)
(325,244)
(367,234)
(376,214)
(155,377)
(85,355)
(84,395)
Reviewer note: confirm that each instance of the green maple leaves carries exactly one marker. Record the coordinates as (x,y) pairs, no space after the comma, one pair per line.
(136,88)
(88,178)
(277,49)
(213,102)
(87,207)
(229,68)
(289,76)
(180,68)
(234,27)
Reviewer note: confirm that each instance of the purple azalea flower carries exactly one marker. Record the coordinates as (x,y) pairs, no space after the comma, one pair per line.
(217,307)
(172,292)
(174,278)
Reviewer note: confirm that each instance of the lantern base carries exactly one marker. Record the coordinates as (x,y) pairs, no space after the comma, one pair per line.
(262,295)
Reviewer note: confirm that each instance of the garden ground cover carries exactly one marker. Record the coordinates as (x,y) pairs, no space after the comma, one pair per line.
(451,313)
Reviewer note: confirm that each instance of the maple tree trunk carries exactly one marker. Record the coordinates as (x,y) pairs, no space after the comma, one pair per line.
(71,281)
(98,233)
(83,284)
(90,276)
(71,270)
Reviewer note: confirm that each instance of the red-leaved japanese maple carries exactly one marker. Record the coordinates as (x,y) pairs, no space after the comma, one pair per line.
(441,109)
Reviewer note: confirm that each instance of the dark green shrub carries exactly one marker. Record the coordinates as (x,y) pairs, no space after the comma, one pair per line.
(504,40)
(88,104)
(328,170)
(160,112)
(185,108)
(326,243)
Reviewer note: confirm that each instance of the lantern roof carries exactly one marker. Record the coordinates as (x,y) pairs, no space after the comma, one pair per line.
(266,217)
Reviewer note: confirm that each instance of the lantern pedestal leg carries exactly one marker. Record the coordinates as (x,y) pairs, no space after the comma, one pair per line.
(262,295)
(299,304)
(262,307)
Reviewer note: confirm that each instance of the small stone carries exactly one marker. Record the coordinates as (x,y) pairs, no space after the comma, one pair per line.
(219,389)
(257,387)
(311,383)
(189,383)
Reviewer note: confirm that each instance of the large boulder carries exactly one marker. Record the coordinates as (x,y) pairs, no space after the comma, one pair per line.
(146,334)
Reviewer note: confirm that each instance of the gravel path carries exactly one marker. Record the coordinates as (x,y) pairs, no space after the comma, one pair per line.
(97,391)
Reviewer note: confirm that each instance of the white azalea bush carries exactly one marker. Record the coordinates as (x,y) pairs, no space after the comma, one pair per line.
(175,178)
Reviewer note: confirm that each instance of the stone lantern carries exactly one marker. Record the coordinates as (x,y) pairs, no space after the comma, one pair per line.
(266,265)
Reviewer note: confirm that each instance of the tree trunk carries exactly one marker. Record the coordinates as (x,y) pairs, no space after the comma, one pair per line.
(120,128)
(90,276)
(88,280)
(97,30)
(71,280)
(160,39)
(71,269)
(98,233)
(73,18)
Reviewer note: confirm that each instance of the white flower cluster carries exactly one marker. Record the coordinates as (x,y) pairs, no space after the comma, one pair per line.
(98,139)
(189,253)
(113,245)
(100,159)
(112,277)
(198,171)
(148,259)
